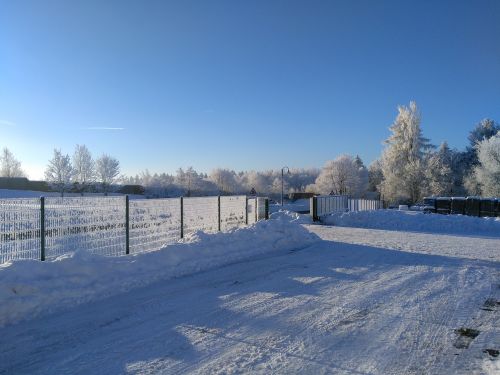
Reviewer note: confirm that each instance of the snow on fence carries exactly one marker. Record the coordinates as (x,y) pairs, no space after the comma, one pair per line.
(327,204)
(48,227)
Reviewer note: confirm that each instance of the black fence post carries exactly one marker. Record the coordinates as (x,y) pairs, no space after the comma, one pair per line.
(127,226)
(182,217)
(266,210)
(246,210)
(42,228)
(313,209)
(218,212)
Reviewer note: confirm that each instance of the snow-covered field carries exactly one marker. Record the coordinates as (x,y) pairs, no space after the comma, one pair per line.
(12,193)
(278,297)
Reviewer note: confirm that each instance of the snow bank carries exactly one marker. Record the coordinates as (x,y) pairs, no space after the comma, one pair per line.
(297,205)
(416,222)
(29,288)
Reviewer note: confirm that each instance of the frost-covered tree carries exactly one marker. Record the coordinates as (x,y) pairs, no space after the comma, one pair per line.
(107,170)
(483,130)
(59,171)
(9,165)
(487,173)
(403,158)
(375,176)
(438,172)
(363,176)
(225,180)
(83,165)
(340,176)
(189,181)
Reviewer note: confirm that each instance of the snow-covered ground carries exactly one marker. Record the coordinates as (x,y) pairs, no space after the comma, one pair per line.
(323,300)
(299,205)
(409,221)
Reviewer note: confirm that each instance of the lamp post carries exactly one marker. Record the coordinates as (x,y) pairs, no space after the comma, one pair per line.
(282,173)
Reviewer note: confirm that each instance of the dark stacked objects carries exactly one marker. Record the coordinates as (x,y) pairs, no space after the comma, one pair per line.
(488,207)
(458,205)
(443,205)
(429,205)
(473,206)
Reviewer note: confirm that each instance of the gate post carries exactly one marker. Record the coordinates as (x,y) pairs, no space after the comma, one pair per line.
(313,208)
(42,228)
(127,226)
(218,210)
(246,210)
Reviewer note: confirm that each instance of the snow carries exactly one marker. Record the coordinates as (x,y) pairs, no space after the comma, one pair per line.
(282,296)
(417,222)
(31,287)
(299,205)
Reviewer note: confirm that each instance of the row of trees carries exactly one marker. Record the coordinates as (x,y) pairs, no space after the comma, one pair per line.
(189,182)
(408,169)
(81,171)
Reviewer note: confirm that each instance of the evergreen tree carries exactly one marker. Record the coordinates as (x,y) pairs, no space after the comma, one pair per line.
(403,158)
(487,172)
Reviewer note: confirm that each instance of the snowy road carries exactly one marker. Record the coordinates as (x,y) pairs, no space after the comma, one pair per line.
(370,302)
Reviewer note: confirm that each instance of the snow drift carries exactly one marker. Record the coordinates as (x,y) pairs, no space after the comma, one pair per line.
(417,222)
(29,287)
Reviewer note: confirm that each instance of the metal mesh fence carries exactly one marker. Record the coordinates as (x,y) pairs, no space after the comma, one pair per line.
(232,211)
(364,204)
(252,210)
(94,224)
(331,203)
(261,208)
(328,204)
(19,229)
(98,224)
(201,214)
(154,223)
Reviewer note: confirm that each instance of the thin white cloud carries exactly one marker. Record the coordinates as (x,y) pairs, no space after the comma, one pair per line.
(7,123)
(101,128)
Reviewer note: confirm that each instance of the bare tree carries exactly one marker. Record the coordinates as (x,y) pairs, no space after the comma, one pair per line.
(107,170)
(9,165)
(59,171)
(340,176)
(84,167)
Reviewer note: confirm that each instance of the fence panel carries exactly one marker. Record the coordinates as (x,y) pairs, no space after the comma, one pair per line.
(327,204)
(99,224)
(19,229)
(252,210)
(233,211)
(96,225)
(154,223)
(201,213)
(261,208)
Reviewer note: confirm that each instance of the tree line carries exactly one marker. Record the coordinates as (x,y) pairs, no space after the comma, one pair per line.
(409,168)
(79,173)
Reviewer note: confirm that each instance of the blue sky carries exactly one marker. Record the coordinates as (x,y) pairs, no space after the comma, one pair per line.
(240,84)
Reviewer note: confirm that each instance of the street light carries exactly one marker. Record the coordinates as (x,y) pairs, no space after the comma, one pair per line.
(282,173)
